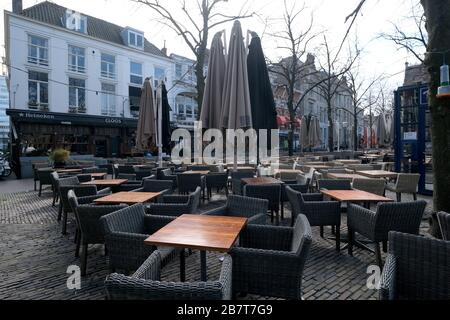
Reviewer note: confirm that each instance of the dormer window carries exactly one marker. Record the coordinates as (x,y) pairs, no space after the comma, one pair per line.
(75,21)
(133,38)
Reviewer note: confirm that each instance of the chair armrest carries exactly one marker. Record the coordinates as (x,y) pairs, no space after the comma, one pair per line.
(175,199)
(222,211)
(308,197)
(104,192)
(267,238)
(387,284)
(89,199)
(361,220)
(151,268)
(260,219)
(138,190)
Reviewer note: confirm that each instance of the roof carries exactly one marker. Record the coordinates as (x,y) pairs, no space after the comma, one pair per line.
(52,13)
(416,74)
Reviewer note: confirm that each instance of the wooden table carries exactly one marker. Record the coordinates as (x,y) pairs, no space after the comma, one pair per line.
(355,196)
(198,232)
(377,174)
(69,171)
(318,167)
(345,176)
(129,198)
(201,172)
(114,183)
(98,176)
(261,181)
(348,161)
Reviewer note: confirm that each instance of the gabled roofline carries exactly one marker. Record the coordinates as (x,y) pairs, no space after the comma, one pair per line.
(19,16)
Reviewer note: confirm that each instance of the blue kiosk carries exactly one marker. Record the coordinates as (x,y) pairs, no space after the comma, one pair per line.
(413,145)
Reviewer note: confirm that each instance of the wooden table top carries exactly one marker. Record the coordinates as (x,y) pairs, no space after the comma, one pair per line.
(106,183)
(205,233)
(345,176)
(378,174)
(69,170)
(280,171)
(354,196)
(98,175)
(202,172)
(261,181)
(129,198)
(348,161)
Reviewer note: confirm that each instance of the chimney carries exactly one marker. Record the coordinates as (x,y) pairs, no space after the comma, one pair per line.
(17,6)
(164,50)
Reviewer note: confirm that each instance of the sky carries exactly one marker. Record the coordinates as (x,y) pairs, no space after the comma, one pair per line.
(379,56)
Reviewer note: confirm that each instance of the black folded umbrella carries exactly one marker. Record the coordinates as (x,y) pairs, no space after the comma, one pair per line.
(166,130)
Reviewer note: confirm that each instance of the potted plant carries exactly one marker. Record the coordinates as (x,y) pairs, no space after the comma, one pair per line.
(59,157)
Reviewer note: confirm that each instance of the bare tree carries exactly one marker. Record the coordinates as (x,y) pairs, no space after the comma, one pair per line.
(194,27)
(415,42)
(291,70)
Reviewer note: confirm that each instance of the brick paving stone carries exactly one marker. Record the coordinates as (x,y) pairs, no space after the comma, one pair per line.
(34,258)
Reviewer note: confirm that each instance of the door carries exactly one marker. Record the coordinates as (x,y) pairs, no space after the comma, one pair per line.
(101,148)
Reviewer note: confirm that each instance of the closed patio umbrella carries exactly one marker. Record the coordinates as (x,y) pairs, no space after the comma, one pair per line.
(236,106)
(382,131)
(304,133)
(147,127)
(318,133)
(264,113)
(212,99)
(165,120)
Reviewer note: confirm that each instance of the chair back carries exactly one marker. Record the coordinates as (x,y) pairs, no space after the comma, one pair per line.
(242,174)
(141,174)
(44,176)
(272,193)
(125,169)
(125,176)
(94,170)
(301,238)
(404,217)
(84,178)
(217,179)
(326,184)
(158,186)
(302,188)
(444,223)
(194,200)
(127,220)
(375,186)
(407,183)
(189,182)
(109,168)
(422,267)
(198,168)
(245,206)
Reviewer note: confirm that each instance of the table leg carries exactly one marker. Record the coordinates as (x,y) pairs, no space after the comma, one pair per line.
(182,266)
(204,272)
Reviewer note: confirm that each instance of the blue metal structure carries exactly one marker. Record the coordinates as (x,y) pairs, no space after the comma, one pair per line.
(413,146)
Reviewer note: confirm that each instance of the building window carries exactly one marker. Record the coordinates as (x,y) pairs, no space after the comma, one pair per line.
(77,94)
(178,70)
(77,59)
(160,75)
(76,22)
(37,90)
(136,73)
(134,94)
(108,66)
(38,50)
(135,39)
(108,99)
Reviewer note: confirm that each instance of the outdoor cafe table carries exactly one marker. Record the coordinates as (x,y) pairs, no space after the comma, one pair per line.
(199,232)
(377,174)
(355,196)
(345,176)
(98,176)
(129,198)
(261,181)
(201,172)
(114,183)
(69,171)
(348,161)
(318,167)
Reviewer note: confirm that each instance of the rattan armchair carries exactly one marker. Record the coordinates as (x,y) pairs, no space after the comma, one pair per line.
(125,232)
(444,223)
(406,183)
(176,205)
(237,206)
(375,226)
(190,182)
(146,284)
(375,186)
(270,260)
(218,181)
(417,268)
(236,180)
(325,184)
(45,179)
(272,193)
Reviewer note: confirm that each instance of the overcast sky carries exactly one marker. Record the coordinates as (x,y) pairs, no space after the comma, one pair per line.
(379,57)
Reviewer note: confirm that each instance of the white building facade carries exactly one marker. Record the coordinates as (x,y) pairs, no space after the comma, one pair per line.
(4,119)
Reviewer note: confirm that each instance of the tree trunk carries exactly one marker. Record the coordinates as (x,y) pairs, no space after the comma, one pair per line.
(355,132)
(330,128)
(200,79)
(438,27)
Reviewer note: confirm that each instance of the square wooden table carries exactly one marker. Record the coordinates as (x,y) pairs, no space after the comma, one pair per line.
(345,176)
(377,174)
(357,196)
(261,181)
(198,232)
(201,172)
(69,171)
(114,183)
(129,198)
(98,176)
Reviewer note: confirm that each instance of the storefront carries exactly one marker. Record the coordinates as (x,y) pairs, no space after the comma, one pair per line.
(80,134)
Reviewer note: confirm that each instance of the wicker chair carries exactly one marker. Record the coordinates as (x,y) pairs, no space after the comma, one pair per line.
(303,188)
(62,182)
(330,171)
(272,193)
(80,191)
(417,268)
(45,179)
(324,184)
(189,182)
(406,183)
(125,169)
(109,169)
(167,175)
(84,178)
(444,223)
(125,232)
(175,205)
(198,168)
(253,209)
(149,185)
(94,170)
(270,260)
(89,229)
(146,284)
(55,177)
(236,180)
(375,186)
(217,180)
(318,212)
(36,166)
(375,226)
(144,174)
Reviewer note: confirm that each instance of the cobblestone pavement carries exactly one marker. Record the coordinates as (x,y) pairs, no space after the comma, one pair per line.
(34,258)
